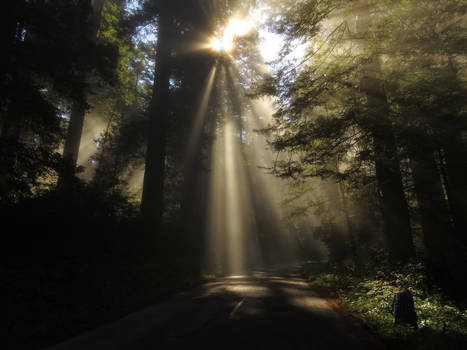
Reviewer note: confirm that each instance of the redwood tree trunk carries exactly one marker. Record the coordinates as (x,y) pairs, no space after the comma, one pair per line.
(72,143)
(435,216)
(78,109)
(392,198)
(389,180)
(152,203)
(73,138)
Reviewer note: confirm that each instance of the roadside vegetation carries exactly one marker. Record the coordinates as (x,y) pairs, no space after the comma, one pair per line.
(442,320)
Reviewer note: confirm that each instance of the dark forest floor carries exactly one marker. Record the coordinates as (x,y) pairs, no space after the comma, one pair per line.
(49,302)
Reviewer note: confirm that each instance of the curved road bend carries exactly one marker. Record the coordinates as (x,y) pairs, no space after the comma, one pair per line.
(268,309)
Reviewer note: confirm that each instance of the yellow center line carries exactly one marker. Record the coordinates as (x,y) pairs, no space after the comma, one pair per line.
(236,308)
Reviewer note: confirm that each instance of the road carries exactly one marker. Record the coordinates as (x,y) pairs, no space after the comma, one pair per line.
(267,309)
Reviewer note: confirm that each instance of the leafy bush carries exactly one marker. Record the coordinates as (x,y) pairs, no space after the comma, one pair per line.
(442,323)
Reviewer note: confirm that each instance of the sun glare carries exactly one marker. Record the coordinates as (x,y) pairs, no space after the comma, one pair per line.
(225,40)
(222,44)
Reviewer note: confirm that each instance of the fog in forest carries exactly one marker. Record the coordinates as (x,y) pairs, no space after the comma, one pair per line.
(148,146)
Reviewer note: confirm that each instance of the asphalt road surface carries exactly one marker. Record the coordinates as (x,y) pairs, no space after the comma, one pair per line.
(267,309)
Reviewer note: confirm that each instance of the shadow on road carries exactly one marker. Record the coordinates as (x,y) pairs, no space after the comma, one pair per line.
(266,309)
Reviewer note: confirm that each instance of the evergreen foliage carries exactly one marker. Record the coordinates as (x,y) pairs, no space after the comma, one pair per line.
(378,88)
(369,135)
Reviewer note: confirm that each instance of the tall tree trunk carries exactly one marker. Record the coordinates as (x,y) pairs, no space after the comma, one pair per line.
(454,157)
(388,174)
(95,20)
(455,163)
(392,198)
(152,203)
(435,216)
(199,83)
(78,110)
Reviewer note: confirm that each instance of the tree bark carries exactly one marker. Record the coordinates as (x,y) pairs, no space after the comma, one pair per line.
(392,198)
(152,203)
(72,143)
(198,86)
(435,216)
(196,161)
(78,109)
(389,179)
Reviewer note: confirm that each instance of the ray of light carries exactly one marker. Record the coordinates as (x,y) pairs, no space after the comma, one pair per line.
(217,247)
(216,226)
(232,239)
(267,191)
(235,231)
(135,178)
(200,115)
(93,127)
(245,216)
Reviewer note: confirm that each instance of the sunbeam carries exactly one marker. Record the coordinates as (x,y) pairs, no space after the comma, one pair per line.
(200,116)
(245,228)
(234,218)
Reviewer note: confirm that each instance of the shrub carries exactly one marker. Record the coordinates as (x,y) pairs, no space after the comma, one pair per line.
(442,323)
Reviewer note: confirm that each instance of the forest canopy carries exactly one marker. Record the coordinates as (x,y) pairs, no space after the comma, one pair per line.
(248,131)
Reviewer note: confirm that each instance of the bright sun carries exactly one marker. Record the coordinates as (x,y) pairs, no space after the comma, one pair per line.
(225,40)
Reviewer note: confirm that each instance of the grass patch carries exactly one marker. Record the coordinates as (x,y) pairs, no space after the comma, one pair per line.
(442,323)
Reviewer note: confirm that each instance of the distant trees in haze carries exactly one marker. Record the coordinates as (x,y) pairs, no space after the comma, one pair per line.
(45,51)
(381,90)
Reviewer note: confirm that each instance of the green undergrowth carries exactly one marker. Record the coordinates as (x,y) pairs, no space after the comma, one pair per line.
(442,322)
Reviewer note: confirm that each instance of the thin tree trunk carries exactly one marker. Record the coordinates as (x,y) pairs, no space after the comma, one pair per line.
(73,138)
(152,203)
(350,232)
(456,171)
(72,143)
(97,7)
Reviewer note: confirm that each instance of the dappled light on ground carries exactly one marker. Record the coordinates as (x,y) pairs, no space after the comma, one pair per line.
(261,310)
